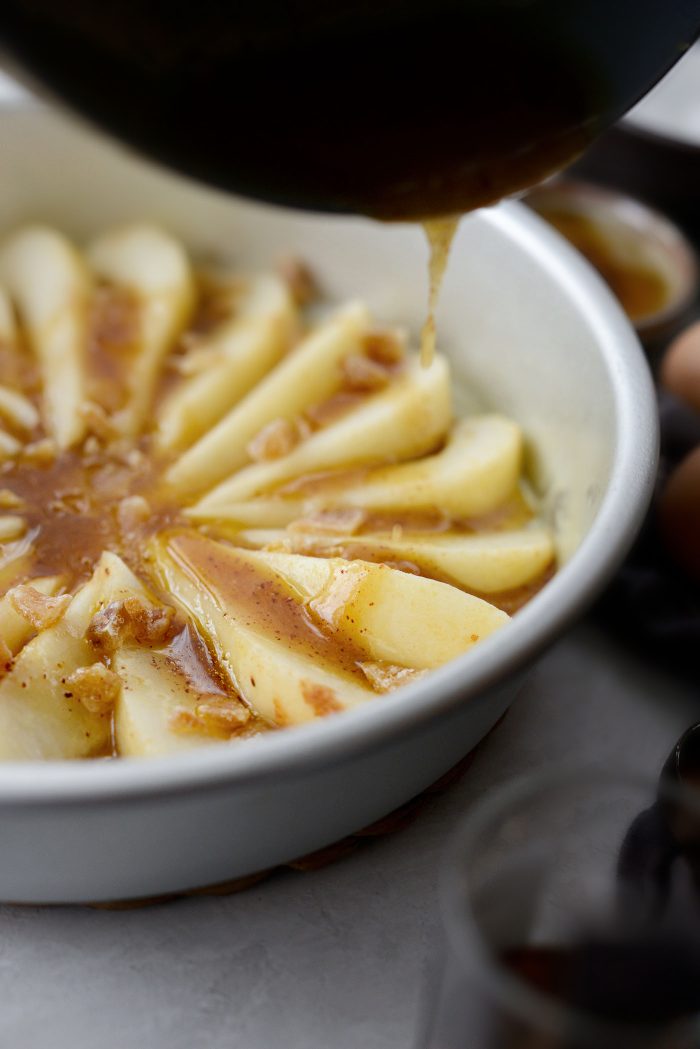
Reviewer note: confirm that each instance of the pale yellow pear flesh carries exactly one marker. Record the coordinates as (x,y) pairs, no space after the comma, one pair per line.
(391,615)
(17,409)
(154,695)
(50,284)
(490,563)
(156,269)
(16,559)
(8,322)
(15,630)
(9,445)
(401,422)
(359,611)
(37,719)
(474,474)
(307,376)
(240,354)
(282,675)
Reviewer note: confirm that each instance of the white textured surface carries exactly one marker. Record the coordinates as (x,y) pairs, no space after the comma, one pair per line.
(336,959)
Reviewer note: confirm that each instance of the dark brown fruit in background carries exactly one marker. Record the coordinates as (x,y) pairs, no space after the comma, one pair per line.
(679,512)
(680,368)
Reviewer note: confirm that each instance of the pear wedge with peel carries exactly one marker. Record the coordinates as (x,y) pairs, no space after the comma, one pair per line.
(51,285)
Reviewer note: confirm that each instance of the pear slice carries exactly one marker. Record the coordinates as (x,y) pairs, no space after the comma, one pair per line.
(154,695)
(279,661)
(474,474)
(9,445)
(17,409)
(403,421)
(8,324)
(51,286)
(156,269)
(489,563)
(307,376)
(15,631)
(16,560)
(393,616)
(239,354)
(294,631)
(38,719)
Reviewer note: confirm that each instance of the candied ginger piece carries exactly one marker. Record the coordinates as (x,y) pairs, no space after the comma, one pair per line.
(96,687)
(38,609)
(364,374)
(130,620)
(223,712)
(384,346)
(299,279)
(276,439)
(385,677)
(342,520)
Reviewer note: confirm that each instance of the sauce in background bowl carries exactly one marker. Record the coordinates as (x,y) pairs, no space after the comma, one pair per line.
(647,262)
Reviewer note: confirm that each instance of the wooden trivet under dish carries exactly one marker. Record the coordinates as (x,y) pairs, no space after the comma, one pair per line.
(396,821)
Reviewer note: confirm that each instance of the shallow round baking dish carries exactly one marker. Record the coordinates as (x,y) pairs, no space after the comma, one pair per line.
(530,329)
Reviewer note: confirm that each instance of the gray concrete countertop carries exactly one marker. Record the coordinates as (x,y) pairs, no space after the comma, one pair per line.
(334,959)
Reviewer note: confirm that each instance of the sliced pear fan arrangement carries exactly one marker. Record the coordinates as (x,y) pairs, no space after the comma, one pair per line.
(225,508)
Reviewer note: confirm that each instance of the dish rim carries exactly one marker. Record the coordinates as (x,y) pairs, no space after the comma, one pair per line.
(298,750)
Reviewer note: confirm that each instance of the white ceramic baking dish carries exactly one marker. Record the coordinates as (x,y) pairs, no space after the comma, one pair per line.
(531,330)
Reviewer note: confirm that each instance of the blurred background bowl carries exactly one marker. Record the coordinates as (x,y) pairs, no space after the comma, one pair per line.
(646,260)
(654,153)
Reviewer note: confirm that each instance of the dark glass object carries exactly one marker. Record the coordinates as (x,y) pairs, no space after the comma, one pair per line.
(393,108)
(639,976)
(571,924)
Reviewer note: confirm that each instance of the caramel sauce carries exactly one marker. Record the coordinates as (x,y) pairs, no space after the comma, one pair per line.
(264,602)
(19,369)
(440,234)
(189,652)
(72,508)
(112,342)
(641,289)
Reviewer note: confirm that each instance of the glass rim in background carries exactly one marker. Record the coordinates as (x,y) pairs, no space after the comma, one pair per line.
(474,957)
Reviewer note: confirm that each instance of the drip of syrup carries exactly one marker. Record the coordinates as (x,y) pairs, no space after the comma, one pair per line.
(440,234)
